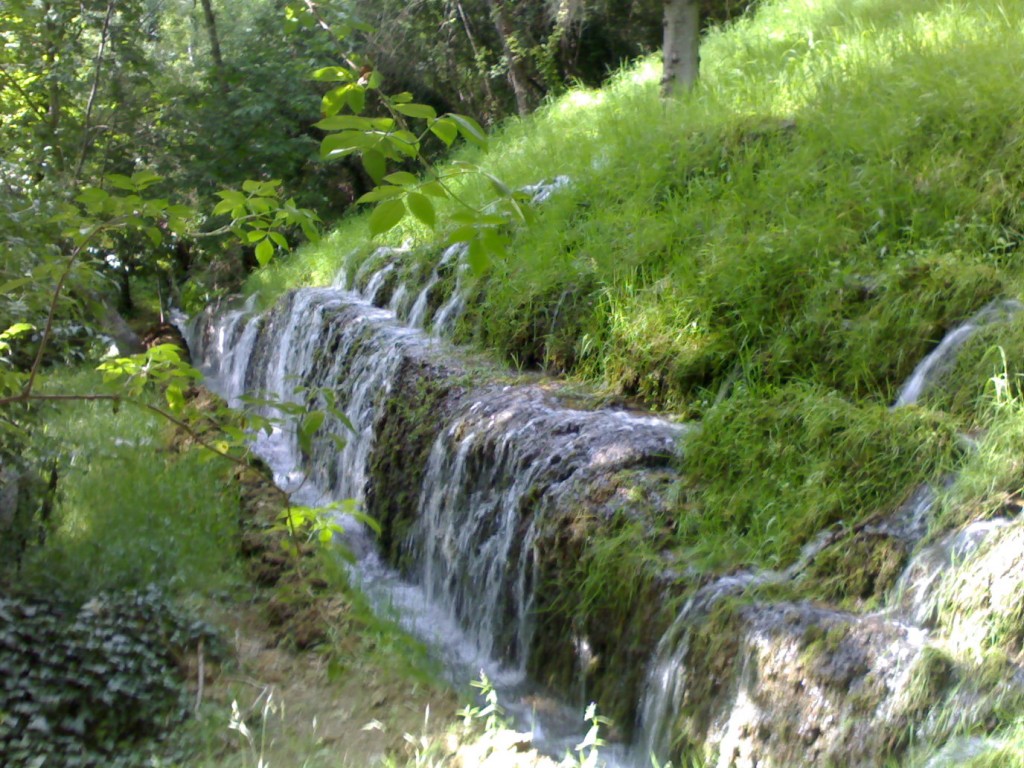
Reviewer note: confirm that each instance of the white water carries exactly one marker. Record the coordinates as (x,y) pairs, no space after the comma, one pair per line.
(415,312)
(508,454)
(939,359)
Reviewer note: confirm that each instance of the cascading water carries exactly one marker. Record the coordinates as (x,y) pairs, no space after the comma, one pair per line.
(512,452)
(939,359)
(505,458)
(412,303)
(772,687)
(507,455)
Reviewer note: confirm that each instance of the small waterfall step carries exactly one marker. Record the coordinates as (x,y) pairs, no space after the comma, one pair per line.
(472,479)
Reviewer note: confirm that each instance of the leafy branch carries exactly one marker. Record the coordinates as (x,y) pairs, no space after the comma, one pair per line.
(385,143)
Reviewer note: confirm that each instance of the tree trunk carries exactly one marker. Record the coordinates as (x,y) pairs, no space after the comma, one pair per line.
(90,104)
(491,102)
(55,105)
(681,46)
(210,22)
(516,73)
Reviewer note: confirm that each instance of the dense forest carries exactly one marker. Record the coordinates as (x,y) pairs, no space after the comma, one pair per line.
(673,347)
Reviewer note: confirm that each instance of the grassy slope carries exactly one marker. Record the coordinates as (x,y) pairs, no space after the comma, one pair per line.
(842,187)
(772,254)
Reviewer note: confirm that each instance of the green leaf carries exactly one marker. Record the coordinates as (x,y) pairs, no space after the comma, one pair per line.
(434,189)
(386,216)
(143,179)
(154,234)
(121,181)
(346,143)
(494,242)
(92,196)
(407,137)
(462,234)
(14,284)
(232,195)
(375,164)
(477,219)
(310,424)
(334,74)
(264,252)
(279,240)
(380,193)
(310,231)
(224,206)
(402,179)
(477,258)
(353,123)
(179,211)
(402,98)
(403,143)
(421,208)
(16,330)
(334,100)
(424,111)
(370,522)
(470,130)
(445,129)
(356,98)
(175,398)
(255,235)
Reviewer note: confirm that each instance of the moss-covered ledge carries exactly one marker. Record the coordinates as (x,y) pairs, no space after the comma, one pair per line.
(424,395)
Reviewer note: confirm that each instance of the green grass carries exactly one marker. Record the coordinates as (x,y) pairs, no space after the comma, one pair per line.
(772,253)
(131,512)
(768,470)
(841,187)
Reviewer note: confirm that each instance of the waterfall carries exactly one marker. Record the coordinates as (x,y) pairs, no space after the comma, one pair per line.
(939,360)
(510,454)
(503,457)
(380,266)
(450,258)
(501,461)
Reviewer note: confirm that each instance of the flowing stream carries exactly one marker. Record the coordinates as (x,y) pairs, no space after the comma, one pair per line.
(506,452)
(504,458)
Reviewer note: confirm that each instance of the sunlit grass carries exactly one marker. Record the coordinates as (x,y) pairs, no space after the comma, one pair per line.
(844,185)
(130,511)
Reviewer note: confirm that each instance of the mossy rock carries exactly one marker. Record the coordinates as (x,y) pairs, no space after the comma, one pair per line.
(770,469)
(601,573)
(407,425)
(858,570)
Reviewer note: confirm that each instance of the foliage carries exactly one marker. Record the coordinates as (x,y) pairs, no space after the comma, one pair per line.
(491,713)
(588,749)
(129,513)
(94,685)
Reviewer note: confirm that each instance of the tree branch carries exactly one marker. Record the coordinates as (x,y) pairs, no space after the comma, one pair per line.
(28,397)
(40,110)
(104,36)
(57,291)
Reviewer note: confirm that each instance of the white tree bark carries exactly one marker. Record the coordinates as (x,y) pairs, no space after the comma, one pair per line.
(681,46)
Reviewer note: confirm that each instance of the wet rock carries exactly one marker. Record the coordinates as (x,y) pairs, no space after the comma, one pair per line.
(166,333)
